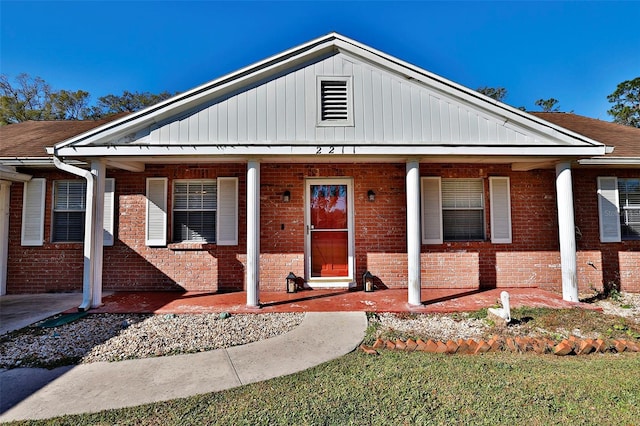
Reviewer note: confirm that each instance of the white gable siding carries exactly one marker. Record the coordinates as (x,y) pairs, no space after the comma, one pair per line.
(387,109)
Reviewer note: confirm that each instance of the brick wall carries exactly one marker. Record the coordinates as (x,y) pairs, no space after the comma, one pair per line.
(616,265)
(531,260)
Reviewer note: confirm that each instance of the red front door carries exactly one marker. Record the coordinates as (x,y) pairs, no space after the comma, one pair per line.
(329,230)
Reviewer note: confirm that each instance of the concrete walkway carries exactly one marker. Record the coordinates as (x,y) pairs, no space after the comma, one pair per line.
(31,393)
(21,310)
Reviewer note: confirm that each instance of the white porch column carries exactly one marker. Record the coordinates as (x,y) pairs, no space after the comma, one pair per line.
(253,233)
(566,232)
(413,231)
(4,233)
(98,170)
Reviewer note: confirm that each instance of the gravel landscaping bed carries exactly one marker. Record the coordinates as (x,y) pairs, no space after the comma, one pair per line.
(115,337)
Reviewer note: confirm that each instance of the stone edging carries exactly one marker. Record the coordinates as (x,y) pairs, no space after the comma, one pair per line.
(570,346)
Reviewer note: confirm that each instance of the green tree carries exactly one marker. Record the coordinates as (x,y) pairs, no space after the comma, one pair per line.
(67,105)
(127,102)
(27,99)
(626,103)
(548,105)
(497,93)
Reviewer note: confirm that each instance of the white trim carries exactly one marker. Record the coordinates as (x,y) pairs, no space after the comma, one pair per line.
(5,205)
(431,205)
(351,151)
(330,282)
(614,161)
(156,210)
(500,207)
(227,211)
(33,202)
(609,209)
(109,211)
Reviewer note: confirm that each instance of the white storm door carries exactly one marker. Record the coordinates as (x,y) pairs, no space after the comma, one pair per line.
(329,232)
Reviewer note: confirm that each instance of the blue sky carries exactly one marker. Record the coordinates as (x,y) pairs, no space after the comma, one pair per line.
(576,52)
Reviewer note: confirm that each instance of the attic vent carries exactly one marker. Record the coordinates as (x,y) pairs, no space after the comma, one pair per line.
(335,101)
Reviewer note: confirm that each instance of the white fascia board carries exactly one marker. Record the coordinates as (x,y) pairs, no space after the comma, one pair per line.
(141,151)
(34,162)
(614,161)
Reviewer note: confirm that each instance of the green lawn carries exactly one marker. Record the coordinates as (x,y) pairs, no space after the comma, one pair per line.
(398,388)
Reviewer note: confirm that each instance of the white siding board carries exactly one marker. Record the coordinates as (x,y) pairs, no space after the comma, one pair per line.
(425,116)
(281,100)
(271,112)
(454,117)
(203,125)
(396,110)
(310,103)
(434,106)
(445,126)
(223,124)
(378,124)
(261,113)
(232,119)
(241,120)
(300,106)
(252,117)
(183,134)
(367,122)
(416,128)
(213,123)
(405,113)
(387,109)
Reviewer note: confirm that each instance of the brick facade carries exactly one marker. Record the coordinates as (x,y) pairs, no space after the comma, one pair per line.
(531,260)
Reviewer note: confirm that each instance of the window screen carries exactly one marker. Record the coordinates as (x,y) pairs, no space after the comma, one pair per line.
(629,192)
(462,209)
(194,211)
(68,210)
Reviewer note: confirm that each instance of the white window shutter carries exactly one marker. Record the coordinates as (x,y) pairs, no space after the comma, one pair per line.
(227,220)
(431,210)
(609,209)
(500,199)
(33,212)
(109,214)
(156,219)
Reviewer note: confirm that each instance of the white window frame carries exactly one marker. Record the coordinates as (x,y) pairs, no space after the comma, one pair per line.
(55,212)
(499,204)
(348,122)
(624,208)
(481,208)
(213,210)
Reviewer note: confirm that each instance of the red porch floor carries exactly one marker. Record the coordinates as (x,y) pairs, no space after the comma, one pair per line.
(388,300)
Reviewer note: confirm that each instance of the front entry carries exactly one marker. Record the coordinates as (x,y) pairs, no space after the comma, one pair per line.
(329,233)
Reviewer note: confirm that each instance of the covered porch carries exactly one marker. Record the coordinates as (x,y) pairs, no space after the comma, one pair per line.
(329,300)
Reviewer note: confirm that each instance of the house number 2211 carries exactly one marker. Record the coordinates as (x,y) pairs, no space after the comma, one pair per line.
(331,150)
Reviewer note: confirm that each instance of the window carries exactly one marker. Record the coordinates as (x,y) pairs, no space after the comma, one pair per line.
(629,193)
(69,205)
(203,211)
(194,211)
(618,208)
(334,101)
(462,209)
(68,210)
(454,210)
